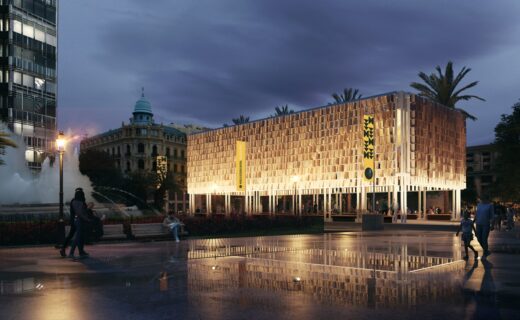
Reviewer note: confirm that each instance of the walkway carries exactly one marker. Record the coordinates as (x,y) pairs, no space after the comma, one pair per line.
(393,274)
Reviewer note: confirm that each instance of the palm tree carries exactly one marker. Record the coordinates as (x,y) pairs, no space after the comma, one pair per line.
(241,120)
(442,87)
(282,111)
(349,94)
(5,142)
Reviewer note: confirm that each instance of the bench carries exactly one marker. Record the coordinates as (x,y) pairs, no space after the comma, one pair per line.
(153,230)
(110,232)
(113,231)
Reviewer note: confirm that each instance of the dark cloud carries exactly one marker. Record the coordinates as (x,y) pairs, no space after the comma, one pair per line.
(208,61)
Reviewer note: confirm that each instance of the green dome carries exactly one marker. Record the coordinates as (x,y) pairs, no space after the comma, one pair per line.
(143,106)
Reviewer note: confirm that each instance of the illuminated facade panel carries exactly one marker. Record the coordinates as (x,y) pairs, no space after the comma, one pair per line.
(419,146)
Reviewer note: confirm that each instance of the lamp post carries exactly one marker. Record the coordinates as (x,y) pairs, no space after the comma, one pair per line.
(60,146)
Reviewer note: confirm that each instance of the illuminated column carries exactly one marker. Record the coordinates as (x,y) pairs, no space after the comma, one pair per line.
(226,204)
(358,200)
(457,203)
(389,200)
(299,203)
(246,203)
(340,202)
(255,202)
(395,202)
(329,201)
(453,205)
(258,203)
(404,199)
(273,204)
(363,198)
(269,204)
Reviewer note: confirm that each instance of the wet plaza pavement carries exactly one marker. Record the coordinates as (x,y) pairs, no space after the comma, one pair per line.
(356,275)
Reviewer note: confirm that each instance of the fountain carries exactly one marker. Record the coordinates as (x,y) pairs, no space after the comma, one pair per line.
(19,185)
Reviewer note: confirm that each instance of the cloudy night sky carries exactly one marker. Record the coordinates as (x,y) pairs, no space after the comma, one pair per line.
(208,61)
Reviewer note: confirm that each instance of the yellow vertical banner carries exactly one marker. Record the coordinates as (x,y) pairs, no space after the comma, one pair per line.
(241,166)
(368,147)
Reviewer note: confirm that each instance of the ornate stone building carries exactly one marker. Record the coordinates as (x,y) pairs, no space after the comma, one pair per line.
(137,145)
(314,159)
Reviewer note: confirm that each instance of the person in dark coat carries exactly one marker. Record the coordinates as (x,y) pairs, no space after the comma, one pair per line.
(79,208)
(72,230)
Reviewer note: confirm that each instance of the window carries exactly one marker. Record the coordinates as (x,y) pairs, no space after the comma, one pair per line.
(28,81)
(174,168)
(140,148)
(154,166)
(154,151)
(175,153)
(128,150)
(17,77)
(17,26)
(128,166)
(182,154)
(28,31)
(140,164)
(167,152)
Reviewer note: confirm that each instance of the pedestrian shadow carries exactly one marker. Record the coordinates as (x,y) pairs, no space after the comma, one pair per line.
(479,291)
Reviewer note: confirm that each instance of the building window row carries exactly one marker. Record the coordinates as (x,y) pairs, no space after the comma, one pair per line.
(35,31)
(45,9)
(34,82)
(141,166)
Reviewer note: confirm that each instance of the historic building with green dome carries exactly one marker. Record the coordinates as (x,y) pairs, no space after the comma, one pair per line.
(140,145)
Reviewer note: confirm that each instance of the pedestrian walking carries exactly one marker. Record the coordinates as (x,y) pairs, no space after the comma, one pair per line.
(72,229)
(484,221)
(79,209)
(467,227)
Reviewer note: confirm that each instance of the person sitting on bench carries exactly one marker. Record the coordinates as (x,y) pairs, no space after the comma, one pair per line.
(173,224)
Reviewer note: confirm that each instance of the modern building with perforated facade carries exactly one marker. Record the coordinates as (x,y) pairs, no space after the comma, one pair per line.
(311,162)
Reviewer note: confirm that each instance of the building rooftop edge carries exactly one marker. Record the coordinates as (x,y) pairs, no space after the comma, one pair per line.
(327,106)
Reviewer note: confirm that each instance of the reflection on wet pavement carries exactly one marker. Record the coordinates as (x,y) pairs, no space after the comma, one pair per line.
(356,275)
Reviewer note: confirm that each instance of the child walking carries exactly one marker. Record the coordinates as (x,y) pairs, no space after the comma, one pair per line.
(467,227)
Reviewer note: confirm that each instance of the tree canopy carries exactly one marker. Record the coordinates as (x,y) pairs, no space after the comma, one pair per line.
(442,87)
(282,111)
(100,168)
(507,144)
(241,120)
(349,94)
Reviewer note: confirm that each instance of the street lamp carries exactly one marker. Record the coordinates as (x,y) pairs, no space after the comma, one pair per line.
(295,180)
(60,147)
